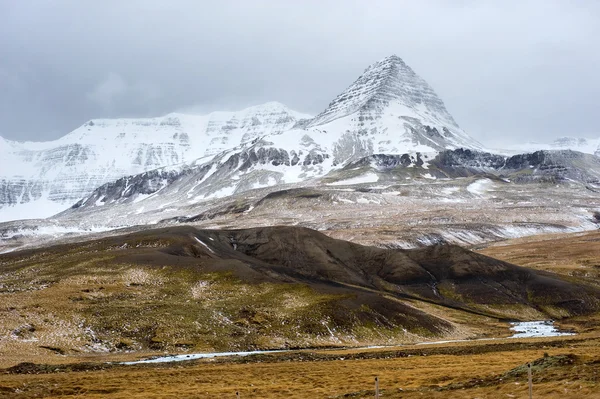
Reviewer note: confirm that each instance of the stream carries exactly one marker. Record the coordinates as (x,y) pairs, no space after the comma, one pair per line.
(524,329)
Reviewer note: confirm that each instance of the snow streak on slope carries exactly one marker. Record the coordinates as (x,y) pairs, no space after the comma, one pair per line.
(480,187)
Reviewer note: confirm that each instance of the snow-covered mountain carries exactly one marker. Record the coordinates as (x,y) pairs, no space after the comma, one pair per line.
(388,109)
(386,147)
(40,179)
(389,91)
(584,145)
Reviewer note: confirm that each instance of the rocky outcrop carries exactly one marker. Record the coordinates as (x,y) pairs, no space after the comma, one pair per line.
(536,167)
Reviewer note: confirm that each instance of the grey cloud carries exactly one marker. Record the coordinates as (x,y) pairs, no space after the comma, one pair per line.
(113,93)
(106,91)
(506,70)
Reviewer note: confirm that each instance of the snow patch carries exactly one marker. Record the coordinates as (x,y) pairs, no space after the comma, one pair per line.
(224,192)
(480,187)
(204,245)
(366,178)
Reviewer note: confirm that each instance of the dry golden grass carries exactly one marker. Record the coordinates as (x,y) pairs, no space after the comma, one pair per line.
(576,255)
(101,310)
(482,375)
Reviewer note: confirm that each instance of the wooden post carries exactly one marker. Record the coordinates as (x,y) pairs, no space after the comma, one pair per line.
(376,387)
(529,381)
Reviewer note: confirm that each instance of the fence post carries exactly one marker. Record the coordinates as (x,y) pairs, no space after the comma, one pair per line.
(376,387)
(529,380)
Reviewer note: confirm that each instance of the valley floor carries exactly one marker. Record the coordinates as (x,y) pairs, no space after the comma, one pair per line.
(562,368)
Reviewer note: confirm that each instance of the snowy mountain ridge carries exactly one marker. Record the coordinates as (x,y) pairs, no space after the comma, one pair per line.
(53,175)
(584,145)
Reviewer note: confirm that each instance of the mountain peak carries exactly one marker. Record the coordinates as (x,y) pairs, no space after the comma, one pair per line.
(389,60)
(383,82)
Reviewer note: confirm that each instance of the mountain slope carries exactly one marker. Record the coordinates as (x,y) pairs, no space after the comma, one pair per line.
(58,173)
(143,196)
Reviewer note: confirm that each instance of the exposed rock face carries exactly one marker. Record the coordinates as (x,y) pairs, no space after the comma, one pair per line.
(134,186)
(539,166)
(554,166)
(462,158)
(202,181)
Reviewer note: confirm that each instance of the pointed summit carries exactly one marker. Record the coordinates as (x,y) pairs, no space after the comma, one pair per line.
(386,81)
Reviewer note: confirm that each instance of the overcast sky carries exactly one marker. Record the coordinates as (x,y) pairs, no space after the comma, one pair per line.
(507,70)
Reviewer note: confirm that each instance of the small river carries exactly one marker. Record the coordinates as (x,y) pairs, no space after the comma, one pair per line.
(525,329)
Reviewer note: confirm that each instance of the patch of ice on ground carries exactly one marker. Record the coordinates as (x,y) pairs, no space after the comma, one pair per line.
(345,200)
(381,187)
(366,178)
(193,356)
(536,329)
(523,329)
(449,190)
(451,341)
